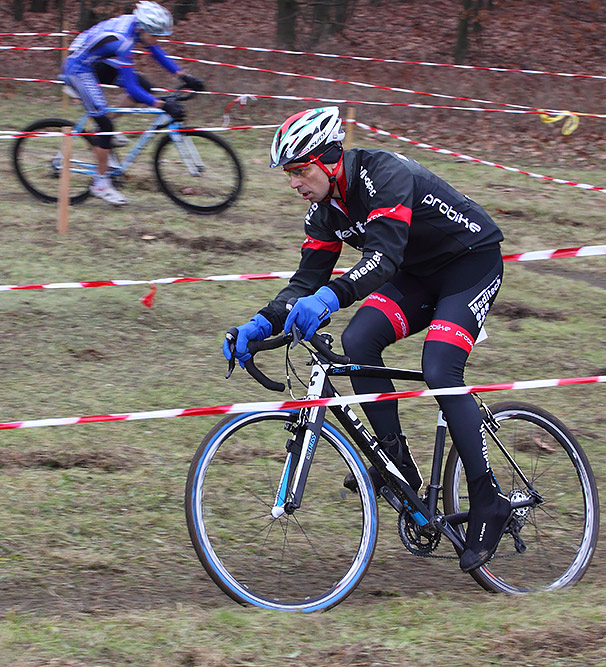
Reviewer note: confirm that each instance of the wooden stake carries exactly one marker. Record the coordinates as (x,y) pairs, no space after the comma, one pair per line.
(349,129)
(63,203)
(64,96)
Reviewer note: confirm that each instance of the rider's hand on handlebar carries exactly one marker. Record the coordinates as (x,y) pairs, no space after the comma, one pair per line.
(309,312)
(174,109)
(192,83)
(257,328)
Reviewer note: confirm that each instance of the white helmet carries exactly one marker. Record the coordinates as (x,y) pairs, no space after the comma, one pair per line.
(153,18)
(310,131)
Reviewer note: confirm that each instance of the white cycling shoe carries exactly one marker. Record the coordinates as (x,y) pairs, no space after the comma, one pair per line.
(118,140)
(108,193)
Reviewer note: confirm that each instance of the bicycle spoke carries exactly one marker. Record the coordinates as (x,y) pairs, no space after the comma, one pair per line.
(291,560)
(559,534)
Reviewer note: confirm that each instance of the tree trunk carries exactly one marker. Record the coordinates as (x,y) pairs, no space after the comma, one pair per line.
(468,18)
(462,33)
(17,10)
(183,7)
(39,6)
(286,28)
(340,15)
(86,16)
(321,20)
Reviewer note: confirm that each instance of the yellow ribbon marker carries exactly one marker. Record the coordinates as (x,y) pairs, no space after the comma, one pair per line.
(571,121)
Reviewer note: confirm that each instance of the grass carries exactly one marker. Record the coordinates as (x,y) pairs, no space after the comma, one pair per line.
(96,564)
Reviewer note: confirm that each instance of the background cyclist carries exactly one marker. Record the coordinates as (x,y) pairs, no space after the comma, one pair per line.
(104,54)
(430,261)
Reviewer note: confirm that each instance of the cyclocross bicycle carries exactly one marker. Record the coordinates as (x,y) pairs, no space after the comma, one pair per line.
(198,170)
(273,526)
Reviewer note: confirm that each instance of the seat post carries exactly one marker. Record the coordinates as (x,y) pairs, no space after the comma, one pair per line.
(436,466)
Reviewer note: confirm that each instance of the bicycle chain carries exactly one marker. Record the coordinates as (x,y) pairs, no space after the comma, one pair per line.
(404,516)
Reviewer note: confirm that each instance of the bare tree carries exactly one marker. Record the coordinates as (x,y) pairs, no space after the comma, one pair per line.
(183,7)
(17,10)
(469,18)
(86,16)
(329,17)
(286,27)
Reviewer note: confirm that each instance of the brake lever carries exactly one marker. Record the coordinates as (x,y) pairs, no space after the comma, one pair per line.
(296,336)
(231,336)
(294,332)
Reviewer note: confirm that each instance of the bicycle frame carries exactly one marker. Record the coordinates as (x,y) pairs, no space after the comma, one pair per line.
(162,119)
(398,493)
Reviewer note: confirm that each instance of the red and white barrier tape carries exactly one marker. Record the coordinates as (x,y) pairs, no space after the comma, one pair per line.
(386,60)
(584,251)
(236,408)
(11,134)
(469,158)
(361,84)
(64,33)
(331,55)
(264,70)
(532,111)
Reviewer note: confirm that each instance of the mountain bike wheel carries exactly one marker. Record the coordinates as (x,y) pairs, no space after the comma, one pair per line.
(38,161)
(307,561)
(559,534)
(198,171)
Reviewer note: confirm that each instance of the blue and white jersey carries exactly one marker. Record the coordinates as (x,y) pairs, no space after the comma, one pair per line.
(112,42)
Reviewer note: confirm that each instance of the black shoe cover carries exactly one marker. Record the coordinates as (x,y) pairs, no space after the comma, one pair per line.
(489,515)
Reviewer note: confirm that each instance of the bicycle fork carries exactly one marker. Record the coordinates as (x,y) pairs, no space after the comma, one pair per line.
(189,153)
(301,451)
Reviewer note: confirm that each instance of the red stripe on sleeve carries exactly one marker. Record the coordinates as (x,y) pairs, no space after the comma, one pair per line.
(315,244)
(398,212)
(449,332)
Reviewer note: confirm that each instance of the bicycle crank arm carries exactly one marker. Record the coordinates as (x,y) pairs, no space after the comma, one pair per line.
(445,528)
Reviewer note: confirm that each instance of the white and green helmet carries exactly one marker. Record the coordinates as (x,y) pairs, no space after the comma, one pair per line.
(153,18)
(306,133)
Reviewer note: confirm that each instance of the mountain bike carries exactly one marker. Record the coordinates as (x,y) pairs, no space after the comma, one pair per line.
(273,526)
(197,170)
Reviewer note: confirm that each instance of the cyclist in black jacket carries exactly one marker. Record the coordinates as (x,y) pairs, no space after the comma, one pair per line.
(431,260)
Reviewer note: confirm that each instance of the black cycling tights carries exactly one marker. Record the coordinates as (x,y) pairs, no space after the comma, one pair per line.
(453,303)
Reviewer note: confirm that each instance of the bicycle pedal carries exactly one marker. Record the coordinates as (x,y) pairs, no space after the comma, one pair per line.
(350,483)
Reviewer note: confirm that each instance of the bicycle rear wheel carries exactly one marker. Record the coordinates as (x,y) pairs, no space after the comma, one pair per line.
(38,161)
(307,561)
(198,171)
(560,534)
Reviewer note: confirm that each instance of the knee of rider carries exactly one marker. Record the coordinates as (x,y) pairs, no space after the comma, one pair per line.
(352,343)
(105,125)
(440,371)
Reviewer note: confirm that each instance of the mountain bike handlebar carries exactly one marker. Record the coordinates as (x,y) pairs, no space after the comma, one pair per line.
(178,95)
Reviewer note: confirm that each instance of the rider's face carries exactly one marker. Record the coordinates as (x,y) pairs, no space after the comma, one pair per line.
(147,39)
(310,181)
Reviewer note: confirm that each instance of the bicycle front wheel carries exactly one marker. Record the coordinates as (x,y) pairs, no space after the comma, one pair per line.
(307,561)
(38,161)
(198,171)
(559,533)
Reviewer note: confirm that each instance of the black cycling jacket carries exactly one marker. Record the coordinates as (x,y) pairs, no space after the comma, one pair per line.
(398,214)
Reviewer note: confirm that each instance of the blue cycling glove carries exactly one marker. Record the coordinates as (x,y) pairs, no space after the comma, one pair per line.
(310,311)
(257,328)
